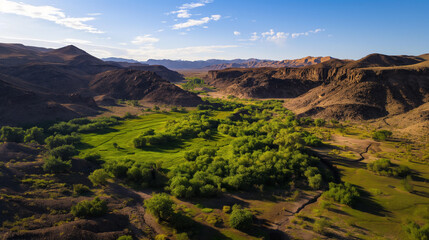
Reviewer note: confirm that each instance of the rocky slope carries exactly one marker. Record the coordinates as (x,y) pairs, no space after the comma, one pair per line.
(374,86)
(40,84)
(302,62)
(141,85)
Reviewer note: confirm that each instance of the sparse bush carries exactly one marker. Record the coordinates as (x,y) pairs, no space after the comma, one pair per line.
(125,237)
(319,122)
(381,135)
(99,177)
(320,225)
(182,236)
(56,165)
(160,205)
(11,134)
(80,189)
(161,237)
(240,218)
(417,232)
(89,209)
(226,209)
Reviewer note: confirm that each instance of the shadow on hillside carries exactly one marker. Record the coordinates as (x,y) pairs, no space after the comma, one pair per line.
(261,230)
(367,204)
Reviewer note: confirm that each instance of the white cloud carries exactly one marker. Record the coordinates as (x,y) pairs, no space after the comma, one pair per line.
(196,22)
(254,36)
(145,39)
(94,14)
(48,13)
(237,33)
(183,11)
(280,37)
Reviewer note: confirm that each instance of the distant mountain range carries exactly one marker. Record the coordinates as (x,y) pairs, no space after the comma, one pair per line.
(218,64)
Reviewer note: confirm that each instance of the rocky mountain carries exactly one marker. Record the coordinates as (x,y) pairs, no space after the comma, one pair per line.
(302,62)
(40,84)
(218,64)
(374,86)
(141,85)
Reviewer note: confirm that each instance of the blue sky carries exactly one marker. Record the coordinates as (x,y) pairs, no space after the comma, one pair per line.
(224,29)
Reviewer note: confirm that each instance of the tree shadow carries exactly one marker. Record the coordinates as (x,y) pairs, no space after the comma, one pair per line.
(367,204)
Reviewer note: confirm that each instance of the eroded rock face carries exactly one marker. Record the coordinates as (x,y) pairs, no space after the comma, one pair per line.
(141,85)
(372,87)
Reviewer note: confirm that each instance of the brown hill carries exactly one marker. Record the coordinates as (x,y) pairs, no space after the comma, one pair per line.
(40,84)
(165,73)
(375,86)
(142,85)
(302,62)
(24,106)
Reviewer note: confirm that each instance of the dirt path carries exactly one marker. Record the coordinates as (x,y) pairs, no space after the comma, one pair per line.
(362,153)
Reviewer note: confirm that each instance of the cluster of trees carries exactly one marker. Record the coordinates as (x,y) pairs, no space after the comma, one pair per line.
(269,149)
(61,150)
(193,82)
(193,125)
(140,174)
(344,193)
(83,125)
(89,209)
(385,168)
(19,135)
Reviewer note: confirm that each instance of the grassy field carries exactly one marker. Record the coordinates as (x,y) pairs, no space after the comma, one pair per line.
(124,134)
(384,208)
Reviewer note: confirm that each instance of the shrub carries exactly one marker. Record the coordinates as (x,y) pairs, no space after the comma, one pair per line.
(161,237)
(125,237)
(60,140)
(417,232)
(99,177)
(56,165)
(343,193)
(11,134)
(64,152)
(160,205)
(92,157)
(226,209)
(63,128)
(386,168)
(34,134)
(240,218)
(182,236)
(319,122)
(320,225)
(89,209)
(80,189)
(381,135)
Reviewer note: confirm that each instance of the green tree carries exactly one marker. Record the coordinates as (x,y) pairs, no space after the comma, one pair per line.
(99,177)
(35,134)
(64,152)
(240,218)
(11,134)
(160,205)
(89,209)
(56,165)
